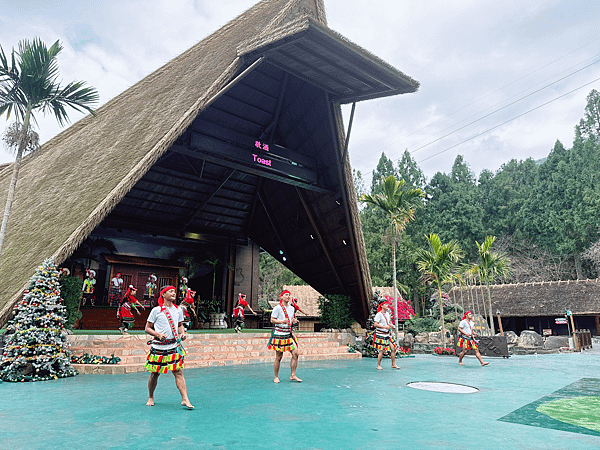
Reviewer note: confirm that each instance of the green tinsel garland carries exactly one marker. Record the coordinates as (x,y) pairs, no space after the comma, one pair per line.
(95,359)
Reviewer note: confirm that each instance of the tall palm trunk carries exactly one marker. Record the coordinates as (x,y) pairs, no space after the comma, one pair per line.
(442,314)
(15,175)
(395,296)
(487,284)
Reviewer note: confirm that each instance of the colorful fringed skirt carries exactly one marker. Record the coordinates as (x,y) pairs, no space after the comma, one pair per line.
(282,343)
(467,343)
(383,342)
(162,361)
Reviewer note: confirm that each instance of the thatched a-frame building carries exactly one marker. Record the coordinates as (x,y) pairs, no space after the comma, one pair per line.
(524,306)
(239,139)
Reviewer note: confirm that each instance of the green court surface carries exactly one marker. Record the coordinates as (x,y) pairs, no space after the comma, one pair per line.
(524,402)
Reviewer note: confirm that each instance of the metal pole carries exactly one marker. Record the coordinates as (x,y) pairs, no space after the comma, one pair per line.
(348,134)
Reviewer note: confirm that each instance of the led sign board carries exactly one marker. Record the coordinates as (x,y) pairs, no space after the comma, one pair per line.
(260,155)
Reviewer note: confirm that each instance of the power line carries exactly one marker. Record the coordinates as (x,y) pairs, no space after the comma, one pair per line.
(512,96)
(485,96)
(509,120)
(505,86)
(504,107)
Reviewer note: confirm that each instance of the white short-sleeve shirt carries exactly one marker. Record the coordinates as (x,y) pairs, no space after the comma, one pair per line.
(382,319)
(161,324)
(467,326)
(283,328)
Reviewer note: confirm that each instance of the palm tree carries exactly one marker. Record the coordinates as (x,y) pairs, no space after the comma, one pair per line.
(489,268)
(437,264)
(400,203)
(30,84)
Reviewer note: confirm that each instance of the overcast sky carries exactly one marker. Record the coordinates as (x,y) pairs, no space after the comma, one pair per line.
(480,63)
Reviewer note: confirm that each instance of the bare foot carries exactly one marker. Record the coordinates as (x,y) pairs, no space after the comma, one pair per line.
(485,363)
(461,363)
(276,380)
(295,378)
(150,402)
(379,368)
(395,366)
(187,404)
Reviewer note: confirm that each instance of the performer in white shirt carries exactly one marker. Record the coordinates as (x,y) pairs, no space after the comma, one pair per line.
(466,338)
(282,340)
(383,340)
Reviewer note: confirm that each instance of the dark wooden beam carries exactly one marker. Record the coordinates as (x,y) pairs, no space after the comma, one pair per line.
(270,130)
(253,206)
(328,61)
(170,229)
(331,78)
(199,208)
(341,51)
(317,231)
(340,167)
(276,227)
(243,168)
(310,81)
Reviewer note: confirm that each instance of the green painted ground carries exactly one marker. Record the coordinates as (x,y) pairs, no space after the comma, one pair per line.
(580,411)
(340,405)
(574,408)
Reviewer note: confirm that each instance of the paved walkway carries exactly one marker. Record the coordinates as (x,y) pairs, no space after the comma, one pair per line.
(340,405)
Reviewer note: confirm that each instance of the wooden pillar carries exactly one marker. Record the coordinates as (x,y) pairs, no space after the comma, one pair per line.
(597,325)
(575,340)
(500,324)
(230,271)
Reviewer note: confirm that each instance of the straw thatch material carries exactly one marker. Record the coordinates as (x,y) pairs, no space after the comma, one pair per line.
(67,188)
(548,298)
(308,297)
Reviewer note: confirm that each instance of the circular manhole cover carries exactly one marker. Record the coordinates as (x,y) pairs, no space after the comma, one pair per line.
(439,386)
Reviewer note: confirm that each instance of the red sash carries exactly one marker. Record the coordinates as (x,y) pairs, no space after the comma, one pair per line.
(289,322)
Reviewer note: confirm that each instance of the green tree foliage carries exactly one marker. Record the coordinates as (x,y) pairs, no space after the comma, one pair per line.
(335,312)
(545,213)
(70,290)
(561,215)
(454,209)
(504,193)
(490,267)
(589,126)
(273,275)
(438,263)
(399,203)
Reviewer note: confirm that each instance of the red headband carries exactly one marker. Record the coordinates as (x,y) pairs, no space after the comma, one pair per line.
(241,300)
(284,292)
(129,289)
(465,315)
(161,301)
(381,303)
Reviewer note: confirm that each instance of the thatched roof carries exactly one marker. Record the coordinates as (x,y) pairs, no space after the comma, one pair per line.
(163,156)
(308,297)
(549,298)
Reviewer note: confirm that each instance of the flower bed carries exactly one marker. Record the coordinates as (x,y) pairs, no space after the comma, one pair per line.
(444,351)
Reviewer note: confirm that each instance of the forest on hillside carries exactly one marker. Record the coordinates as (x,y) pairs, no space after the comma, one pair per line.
(545,216)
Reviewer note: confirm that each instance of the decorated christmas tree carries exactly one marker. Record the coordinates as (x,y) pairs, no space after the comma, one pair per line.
(37,347)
